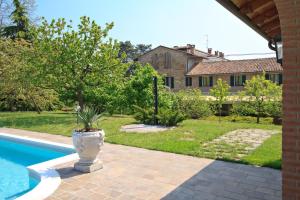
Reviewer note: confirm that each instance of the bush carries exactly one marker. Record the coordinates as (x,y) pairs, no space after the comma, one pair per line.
(165,117)
(192,104)
(168,117)
(243,109)
(144,115)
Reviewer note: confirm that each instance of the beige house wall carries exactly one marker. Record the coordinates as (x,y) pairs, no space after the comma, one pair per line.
(178,64)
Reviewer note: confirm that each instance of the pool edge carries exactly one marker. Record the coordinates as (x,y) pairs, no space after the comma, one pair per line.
(48,176)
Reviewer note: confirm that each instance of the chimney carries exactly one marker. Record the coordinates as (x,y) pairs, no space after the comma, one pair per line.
(190,48)
(221,54)
(216,53)
(209,51)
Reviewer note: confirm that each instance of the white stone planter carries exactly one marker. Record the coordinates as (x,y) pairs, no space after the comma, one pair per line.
(88,145)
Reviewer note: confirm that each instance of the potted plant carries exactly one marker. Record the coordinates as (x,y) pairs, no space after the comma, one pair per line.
(88,141)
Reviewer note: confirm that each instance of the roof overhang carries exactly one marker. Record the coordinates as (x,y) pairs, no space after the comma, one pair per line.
(260,15)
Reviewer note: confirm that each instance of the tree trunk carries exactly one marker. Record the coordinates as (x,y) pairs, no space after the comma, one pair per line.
(80,99)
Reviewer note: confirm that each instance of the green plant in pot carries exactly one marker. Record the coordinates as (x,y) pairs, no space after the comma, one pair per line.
(88,141)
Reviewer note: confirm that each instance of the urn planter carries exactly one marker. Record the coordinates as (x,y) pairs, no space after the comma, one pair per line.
(88,146)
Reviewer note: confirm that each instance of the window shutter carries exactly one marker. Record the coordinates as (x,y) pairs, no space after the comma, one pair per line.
(200,81)
(211,81)
(165,80)
(267,76)
(172,82)
(231,80)
(168,81)
(186,81)
(244,79)
(280,79)
(190,81)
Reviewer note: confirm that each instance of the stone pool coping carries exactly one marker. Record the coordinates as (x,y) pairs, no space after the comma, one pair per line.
(49,178)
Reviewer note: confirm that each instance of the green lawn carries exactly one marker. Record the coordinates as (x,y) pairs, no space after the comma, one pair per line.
(186,139)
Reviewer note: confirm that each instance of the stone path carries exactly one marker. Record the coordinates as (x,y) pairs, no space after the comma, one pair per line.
(240,142)
(142,128)
(139,174)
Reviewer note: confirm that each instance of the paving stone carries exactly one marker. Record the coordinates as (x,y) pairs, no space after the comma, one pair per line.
(139,174)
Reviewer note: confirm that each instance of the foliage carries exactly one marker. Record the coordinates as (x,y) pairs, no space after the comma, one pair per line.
(129,52)
(77,62)
(19,90)
(20,20)
(88,116)
(144,115)
(259,92)
(192,104)
(169,117)
(138,89)
(220,91)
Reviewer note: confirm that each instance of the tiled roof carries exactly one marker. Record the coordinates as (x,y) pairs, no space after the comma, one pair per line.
(236,66)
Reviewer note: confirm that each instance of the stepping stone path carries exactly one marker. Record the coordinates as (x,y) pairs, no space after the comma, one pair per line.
(238,143)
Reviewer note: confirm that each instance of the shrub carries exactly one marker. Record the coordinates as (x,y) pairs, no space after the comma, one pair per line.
(192,104)
(144,115)
(168,117)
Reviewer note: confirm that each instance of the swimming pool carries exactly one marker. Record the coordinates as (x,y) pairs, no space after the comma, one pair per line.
(25,166)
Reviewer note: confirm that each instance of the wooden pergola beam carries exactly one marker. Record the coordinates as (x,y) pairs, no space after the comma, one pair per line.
(252,6)
(261,18)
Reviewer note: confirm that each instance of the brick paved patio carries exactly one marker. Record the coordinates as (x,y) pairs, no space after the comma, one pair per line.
(134,173)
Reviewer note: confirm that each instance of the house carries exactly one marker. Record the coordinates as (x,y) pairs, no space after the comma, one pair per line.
(174,63)
(235,72)
(187,67)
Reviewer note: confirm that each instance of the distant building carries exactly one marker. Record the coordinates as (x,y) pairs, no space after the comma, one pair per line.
(186,67)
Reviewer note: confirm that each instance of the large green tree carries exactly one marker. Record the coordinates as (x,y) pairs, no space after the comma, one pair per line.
(129,52)
(76,62)
(20,23)
(18,90)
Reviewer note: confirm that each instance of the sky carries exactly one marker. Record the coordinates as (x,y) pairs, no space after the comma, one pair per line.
(164,22)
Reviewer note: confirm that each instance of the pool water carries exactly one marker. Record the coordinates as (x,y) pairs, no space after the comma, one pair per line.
(14,158)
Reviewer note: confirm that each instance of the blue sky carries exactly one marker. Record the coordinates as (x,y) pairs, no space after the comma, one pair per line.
(164,22)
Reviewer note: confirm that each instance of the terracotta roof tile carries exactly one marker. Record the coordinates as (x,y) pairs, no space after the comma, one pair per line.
(236,66)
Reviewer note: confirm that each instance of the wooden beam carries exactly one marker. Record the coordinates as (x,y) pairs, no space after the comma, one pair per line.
(270,25)
(236,11)
(252,6)
(274,32)
(262,18)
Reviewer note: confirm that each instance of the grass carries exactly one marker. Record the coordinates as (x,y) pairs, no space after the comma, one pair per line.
(187,138)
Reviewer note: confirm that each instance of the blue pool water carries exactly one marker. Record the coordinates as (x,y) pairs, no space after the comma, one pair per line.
(14,158)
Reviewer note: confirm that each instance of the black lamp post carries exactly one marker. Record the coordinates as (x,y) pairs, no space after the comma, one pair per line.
(155,94)
(275,44)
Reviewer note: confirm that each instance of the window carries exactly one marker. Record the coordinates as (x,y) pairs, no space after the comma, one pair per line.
(169,82)
(275,78)
(205,81)
(188,81)
(168,60)
(237,80)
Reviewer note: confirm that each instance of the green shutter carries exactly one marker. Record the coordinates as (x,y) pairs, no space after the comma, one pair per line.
(231,80)
(211,83)
(267,76)
(244,79)
(172,82)
(280,79)
(200,81)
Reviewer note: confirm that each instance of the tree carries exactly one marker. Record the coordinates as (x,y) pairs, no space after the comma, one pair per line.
(6,8)
(220,91)
(18,89)
(20,26)
(259,91)
(129,52)
(76,63)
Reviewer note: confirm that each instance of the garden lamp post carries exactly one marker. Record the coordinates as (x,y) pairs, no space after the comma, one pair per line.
(155,94)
